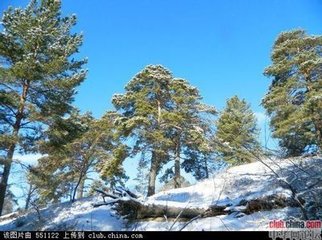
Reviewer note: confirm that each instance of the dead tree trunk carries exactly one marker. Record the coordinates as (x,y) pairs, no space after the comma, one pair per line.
(134,209)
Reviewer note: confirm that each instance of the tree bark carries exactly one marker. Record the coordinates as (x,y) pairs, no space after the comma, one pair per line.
(177,176)
(154,160)
(28,199)
(141,211)
(159,112)
(136,210)
(5,176)
(80,189)
(153,174)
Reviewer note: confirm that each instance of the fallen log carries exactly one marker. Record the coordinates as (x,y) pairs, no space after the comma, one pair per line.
(137,210)
(134,209)
(142,211)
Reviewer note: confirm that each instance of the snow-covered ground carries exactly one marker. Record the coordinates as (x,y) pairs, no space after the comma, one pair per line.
(245,182)
(228,188)
(234,184)
(80,215)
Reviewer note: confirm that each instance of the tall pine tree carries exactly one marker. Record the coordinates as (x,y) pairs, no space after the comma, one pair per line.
(237,134)
(164,116)
(38,76)
(142,107)
(188,126)
(294,99)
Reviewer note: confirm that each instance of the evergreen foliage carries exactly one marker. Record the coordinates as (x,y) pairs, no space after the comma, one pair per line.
(189,126)
(160,119)
(163,116)
(76,146)
(38,76)
(294,99)
(237,133)
(142,108)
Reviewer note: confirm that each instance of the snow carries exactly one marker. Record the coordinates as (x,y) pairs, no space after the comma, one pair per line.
(227,188)
(80,215)
(250,180)
(85,218)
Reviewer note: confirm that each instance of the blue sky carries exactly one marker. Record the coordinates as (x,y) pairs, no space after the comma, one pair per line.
(220,46)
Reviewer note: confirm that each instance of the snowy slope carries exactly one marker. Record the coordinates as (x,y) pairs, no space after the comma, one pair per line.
(79,215)
(234,184)
(228,188)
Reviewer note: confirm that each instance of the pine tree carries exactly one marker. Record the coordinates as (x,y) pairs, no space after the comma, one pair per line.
(294,99)
(74,147)
(164,117)
(62,170)
(237,134)
(188,126)
(38,75)
(142,107)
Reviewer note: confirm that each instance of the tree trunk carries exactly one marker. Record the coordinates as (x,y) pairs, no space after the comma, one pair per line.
(206,168)
(159,112)
(30,191)
(154,160)
(5,176)
(80,190)
(78,187)
(134,209)
(153,174)
(177,176)
(12,147)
